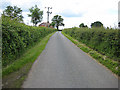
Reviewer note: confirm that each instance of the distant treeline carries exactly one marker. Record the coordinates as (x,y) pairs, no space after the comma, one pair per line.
(105,41)
(17,37)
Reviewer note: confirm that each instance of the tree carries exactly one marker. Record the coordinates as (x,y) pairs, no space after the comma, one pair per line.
(52,24)
(107,27)
(82,25)
(36,15)
(97,24)
(13,12)
(119,24)
(57,21)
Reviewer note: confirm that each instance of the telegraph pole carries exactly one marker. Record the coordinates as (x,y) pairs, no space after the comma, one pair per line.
(48,12)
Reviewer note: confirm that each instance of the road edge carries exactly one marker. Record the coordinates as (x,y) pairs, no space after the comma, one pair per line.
(16,79)
(95,55)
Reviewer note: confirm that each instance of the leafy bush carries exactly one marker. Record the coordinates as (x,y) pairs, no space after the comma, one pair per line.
(105,41)
(17,37)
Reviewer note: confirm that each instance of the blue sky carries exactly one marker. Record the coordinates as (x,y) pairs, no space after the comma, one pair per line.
(69,13)
(74,12)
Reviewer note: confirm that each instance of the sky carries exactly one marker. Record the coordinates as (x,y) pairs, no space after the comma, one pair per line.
(74,12)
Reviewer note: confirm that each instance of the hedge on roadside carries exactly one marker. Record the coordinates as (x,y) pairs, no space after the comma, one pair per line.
(17,37)
(105,41)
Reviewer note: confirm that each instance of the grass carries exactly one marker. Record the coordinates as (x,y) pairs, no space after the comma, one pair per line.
(14,74)
(107,62)
(104,41)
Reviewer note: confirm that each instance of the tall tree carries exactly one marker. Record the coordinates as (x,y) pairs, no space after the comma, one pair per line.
(119,24)
(82,25)
(36,15)
(57,21)
(13,12)
(97,24)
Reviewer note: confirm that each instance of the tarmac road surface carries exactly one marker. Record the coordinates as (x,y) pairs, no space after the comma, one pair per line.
(63,65)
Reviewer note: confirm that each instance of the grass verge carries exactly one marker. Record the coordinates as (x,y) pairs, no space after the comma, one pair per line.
(14,74)
(107,62)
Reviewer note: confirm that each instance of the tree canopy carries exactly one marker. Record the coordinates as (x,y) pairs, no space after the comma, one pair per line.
(82,25)
(36,15)
(119,24)
(13,12)
(52,24)
(57,21)
(97,24)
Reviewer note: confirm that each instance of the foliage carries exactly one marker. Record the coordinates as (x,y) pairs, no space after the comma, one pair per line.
(97,24)
(82,25)
(18,37)
(119,24)
(28,57)
(21,67)
(109,63)
(13,12)
(57,21)
(36,15)
(104,41)
(52,24)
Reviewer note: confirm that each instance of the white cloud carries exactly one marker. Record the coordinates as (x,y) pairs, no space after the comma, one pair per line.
(74,12)
(4,3)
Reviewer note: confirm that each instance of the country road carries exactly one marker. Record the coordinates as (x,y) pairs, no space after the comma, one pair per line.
(63,65)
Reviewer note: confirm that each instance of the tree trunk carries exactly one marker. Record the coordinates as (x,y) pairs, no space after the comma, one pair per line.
(57,27)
